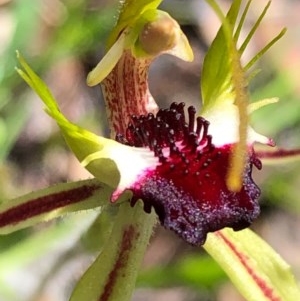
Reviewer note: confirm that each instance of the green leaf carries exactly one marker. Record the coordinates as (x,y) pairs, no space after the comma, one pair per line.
(52,202)
(113,274)
(257,271)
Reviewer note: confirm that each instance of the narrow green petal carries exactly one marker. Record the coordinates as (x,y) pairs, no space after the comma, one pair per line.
(82,142)
(257,271)
(36,83)
(258,55)
(254,28)
(113,274)
(218,63)
(252,107)
(242,20)
(52,202)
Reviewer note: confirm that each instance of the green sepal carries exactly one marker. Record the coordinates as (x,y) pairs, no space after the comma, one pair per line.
(113,275)
(169,41)
(130,11)
(124,41)
(52,202)
(256,270)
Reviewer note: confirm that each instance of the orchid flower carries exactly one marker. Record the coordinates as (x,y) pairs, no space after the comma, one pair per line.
(195,173)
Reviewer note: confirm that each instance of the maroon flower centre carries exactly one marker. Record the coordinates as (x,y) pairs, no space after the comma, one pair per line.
(168,129)
(187,188)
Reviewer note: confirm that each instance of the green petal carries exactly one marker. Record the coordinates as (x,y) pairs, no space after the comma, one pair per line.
(257,271)
(252,107)
(52,202)
(113,274)
(82,142)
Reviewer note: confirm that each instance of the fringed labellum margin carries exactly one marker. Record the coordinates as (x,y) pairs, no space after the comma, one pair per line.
(187,186)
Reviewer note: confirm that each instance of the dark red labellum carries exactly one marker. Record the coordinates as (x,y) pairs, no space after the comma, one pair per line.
(187,188)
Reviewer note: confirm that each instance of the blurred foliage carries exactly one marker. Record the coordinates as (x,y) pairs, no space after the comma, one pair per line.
(51,31)
(76,33)
(283,115)
(197,271)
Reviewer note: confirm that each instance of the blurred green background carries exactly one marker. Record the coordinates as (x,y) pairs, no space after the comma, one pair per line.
(62,41)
